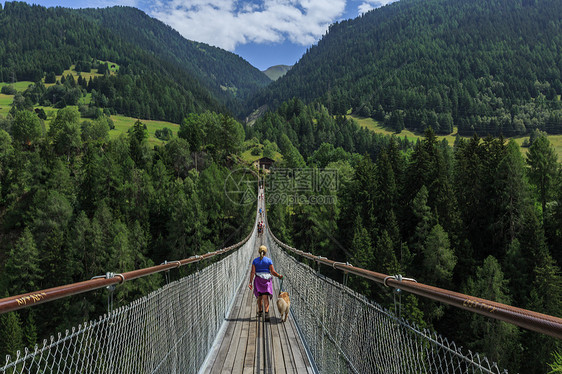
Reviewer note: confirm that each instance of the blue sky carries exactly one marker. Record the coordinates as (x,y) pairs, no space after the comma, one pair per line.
(264,32)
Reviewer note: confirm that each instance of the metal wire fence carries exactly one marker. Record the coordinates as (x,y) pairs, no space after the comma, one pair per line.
(346,333)
(172,329)
(168,331)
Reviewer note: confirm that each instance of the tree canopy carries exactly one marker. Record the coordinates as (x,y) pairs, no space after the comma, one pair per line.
(489,67)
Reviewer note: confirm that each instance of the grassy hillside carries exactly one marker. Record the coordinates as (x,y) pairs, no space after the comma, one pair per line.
(248,157)
(377,127)
(19,86)
(5,103)
(123,124)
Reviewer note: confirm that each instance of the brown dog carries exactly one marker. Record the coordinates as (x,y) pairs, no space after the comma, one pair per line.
(283,304)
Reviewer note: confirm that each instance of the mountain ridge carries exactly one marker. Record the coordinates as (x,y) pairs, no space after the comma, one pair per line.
(216,67)
(483,67)
(162,75)
(276,71)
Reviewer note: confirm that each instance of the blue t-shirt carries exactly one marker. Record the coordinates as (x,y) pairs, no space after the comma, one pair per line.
(262,266)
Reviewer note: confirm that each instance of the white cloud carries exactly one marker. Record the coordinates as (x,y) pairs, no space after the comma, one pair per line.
(228,23)
(372,4)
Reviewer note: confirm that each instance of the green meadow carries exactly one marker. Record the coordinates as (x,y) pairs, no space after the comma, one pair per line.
(123,124)
(19,86)
(86,75)
(249,158)
(5,103)
(375,126)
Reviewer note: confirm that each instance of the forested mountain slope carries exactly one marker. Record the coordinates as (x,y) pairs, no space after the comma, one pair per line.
(221,71)
(160,76)
(470,218)
(489,66)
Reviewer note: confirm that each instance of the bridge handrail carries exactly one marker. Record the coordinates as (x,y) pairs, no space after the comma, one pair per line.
(29,299)
(534,321)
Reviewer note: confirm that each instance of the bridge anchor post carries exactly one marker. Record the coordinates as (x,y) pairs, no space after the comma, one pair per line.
(110,288)
(397,291)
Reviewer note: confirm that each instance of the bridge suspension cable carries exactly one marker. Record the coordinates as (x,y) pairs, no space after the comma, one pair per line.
(26,300)
(346,333)
(170,330)
(542,323)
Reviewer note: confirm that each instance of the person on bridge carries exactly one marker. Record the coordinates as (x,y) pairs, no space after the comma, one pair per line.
(262,271)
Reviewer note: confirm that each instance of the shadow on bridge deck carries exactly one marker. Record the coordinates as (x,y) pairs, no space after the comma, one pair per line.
(250,345)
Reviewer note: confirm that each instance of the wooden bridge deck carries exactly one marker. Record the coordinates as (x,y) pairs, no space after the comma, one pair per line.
(251,345)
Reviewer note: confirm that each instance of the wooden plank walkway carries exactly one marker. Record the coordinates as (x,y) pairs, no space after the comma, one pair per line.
(251,345)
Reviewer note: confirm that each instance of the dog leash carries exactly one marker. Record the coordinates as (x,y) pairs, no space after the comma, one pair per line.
(281,285)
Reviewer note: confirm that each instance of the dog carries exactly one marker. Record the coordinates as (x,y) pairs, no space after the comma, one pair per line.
(283,304)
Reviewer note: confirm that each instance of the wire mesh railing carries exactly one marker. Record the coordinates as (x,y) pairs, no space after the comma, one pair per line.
(168,331)
(346,333)
(172,329)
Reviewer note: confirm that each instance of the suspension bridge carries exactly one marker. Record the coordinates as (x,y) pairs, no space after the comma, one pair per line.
(207,323)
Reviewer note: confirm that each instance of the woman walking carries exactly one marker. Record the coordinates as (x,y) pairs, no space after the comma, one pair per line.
(262,271)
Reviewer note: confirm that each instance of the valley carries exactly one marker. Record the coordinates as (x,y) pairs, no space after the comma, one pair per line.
(119,138)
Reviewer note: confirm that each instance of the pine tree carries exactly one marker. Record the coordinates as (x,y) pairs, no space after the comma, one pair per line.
(556,365)
(542,168)
(555,227)
(122,259)
(178,156)
(52,214)
(182,219)
(65,131)
(424,222)
(363,190)
(547,283)
(138,145)
(516,265)
(386,185)
(513,191)
(26,128)
(22,267)
(79,243)
(11,335)
(439,258)
(6,152)
(363,255)
(29,330)
(498,340)
(384,257)
(191,129)
(231,136)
